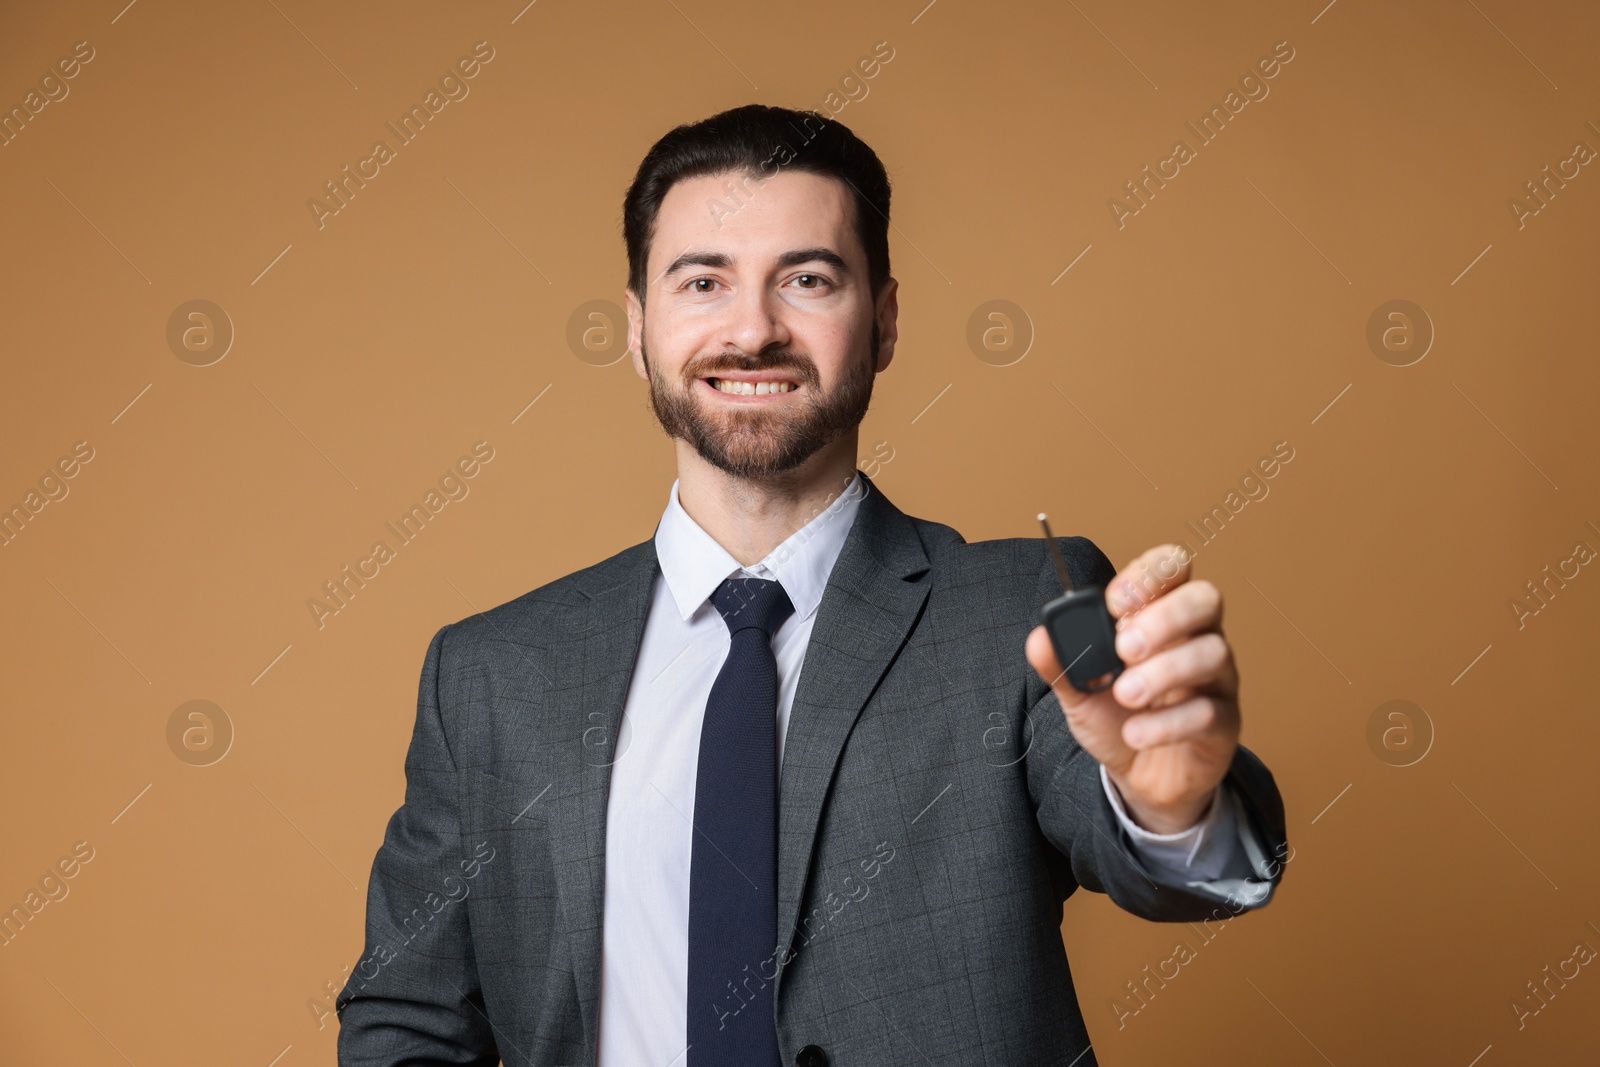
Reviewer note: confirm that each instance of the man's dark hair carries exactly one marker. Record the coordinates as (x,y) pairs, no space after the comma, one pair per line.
(759,141)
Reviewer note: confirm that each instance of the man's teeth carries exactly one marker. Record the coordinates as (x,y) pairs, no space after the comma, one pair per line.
(725,385)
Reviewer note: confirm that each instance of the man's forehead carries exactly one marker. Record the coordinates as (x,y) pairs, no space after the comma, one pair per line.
(729,211)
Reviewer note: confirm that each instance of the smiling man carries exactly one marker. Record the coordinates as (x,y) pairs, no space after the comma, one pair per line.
(796,779)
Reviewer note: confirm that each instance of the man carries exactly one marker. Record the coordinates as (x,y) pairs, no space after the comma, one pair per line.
(797,779)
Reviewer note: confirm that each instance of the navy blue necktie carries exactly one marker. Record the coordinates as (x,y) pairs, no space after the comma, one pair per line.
(733,870)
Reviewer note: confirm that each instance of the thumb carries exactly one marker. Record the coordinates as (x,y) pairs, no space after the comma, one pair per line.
(1095,719)
(1041,652)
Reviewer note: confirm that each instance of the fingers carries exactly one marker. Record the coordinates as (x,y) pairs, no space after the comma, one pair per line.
(1190,609)
(1192,719)
(1143,581)
(1203,663)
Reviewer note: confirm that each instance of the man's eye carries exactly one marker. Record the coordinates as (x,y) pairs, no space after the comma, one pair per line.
(697,281)
(817,278)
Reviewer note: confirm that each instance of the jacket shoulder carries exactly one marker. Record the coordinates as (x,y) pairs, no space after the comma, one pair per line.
(528,619)
(1021,559)
(1007,577)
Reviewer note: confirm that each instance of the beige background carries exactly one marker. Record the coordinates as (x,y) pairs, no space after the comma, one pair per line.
(371,353)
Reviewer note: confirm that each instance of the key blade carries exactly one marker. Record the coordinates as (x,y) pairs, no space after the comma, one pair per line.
(1055,554)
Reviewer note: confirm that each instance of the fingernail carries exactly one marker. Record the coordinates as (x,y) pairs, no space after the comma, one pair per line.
(1135,735)
(1130,643)
(1130,688)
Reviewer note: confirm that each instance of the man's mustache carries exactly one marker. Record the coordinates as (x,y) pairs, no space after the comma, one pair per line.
(802,370)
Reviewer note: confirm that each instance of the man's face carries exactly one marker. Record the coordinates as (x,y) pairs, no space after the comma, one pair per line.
(766,292)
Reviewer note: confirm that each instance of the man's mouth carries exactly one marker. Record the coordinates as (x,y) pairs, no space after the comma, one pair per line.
(752,386)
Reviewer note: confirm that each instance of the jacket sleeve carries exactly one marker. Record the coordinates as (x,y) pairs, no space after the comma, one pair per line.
(414,997)
(1076,815)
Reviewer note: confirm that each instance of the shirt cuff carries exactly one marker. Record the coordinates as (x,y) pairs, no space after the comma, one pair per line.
(1201,852)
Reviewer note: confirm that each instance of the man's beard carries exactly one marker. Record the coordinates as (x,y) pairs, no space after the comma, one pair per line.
(754,443)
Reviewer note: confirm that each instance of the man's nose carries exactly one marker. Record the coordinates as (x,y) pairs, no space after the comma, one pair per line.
(755,321)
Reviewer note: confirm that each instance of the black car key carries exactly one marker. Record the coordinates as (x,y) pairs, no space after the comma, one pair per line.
(1081,628)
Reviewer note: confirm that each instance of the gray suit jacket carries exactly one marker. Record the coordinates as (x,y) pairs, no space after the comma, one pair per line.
(935,812)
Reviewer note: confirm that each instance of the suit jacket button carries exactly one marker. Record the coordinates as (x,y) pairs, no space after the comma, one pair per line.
(811,1056)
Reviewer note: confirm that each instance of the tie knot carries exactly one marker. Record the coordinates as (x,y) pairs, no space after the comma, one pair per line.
(752,602)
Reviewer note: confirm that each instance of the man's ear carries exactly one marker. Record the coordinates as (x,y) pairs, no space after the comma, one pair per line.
(636,333)
(888,316)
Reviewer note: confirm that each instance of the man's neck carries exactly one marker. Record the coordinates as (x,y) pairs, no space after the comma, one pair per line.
(750,518)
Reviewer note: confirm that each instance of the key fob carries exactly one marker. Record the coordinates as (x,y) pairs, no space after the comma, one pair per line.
(1083,634)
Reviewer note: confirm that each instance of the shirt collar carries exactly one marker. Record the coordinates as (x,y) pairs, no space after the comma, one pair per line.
(694,564)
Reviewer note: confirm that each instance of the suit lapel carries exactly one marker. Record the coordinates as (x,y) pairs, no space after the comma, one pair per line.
(589,694)
(872,599)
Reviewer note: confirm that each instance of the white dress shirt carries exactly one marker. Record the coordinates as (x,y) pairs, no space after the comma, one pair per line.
(645,937)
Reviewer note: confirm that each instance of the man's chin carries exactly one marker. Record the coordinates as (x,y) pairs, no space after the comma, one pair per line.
(755,461)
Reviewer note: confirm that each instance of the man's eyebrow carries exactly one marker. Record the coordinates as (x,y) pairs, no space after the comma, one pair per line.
(793,258)
(698,259)
(814,255)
